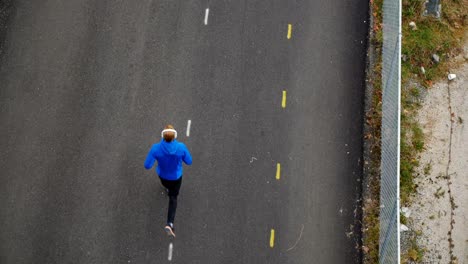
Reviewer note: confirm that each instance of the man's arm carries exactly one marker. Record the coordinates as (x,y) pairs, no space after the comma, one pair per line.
(187,157)
(149,162)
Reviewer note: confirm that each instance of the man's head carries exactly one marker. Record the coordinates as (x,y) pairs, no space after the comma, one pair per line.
(169,133)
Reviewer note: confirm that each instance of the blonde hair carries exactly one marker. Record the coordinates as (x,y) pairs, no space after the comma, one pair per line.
(169,136)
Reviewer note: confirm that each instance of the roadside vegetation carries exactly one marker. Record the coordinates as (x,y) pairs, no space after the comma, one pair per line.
(426,50)
(371,202)
(428,44)
(420,68)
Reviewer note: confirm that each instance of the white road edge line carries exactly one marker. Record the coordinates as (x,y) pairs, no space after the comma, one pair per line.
(170,252)
(207,11)
(188,127)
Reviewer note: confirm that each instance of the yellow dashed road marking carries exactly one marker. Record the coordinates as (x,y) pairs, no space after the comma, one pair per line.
(283,102)
(278,171)
(272,238)
(289,31)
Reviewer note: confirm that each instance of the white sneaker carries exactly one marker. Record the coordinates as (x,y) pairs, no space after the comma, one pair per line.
(169,231)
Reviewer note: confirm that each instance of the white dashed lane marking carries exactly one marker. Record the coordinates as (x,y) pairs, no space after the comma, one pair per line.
(207,12)
(169,257)
(189,122)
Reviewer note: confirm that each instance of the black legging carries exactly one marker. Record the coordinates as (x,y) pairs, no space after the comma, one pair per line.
(173,187)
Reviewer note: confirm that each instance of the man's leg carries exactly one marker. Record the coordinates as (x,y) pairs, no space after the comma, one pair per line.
(171,210)
(173,193)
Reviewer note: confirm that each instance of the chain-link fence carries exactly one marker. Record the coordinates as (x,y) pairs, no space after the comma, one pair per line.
(390,164)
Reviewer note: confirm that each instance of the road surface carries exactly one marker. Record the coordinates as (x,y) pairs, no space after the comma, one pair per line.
(87,86)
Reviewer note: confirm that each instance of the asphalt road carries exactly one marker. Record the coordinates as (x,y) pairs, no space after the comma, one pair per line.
(86,87)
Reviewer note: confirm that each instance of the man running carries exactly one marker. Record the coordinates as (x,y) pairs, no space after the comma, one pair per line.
(169,153)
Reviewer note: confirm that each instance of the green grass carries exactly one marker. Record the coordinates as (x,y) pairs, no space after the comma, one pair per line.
(412,143)
(415,253)
(403,219)
(414,92)
(418,137)
(431,37)
(411,8)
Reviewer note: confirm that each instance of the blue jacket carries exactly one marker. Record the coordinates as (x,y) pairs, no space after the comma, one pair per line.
(169,156)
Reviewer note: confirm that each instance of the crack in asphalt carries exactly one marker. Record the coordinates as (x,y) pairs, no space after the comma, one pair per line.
(448,178)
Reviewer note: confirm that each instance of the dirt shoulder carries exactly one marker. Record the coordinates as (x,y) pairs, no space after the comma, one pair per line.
(439,212)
